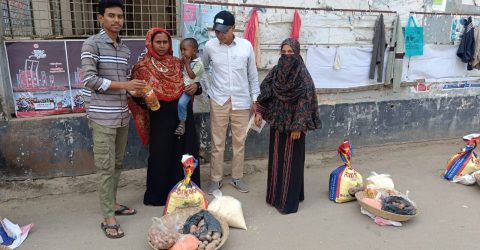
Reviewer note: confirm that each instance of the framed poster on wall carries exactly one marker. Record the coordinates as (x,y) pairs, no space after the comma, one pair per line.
(47,76)
(39,77)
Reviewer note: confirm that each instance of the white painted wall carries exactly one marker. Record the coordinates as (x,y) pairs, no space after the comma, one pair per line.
(320,28)
(339,28)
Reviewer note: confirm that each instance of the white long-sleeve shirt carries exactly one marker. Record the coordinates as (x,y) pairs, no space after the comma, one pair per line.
(233,73)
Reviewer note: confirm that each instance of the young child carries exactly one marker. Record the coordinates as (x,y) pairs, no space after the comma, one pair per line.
(192,72)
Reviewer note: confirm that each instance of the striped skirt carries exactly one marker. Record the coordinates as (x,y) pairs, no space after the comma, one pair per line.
(286,163)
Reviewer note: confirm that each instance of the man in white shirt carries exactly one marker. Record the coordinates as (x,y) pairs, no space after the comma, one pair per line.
(233,92)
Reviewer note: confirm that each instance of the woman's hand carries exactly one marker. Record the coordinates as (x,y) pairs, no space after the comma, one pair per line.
(253,109)
(258,119)
(295,135)
(191,89)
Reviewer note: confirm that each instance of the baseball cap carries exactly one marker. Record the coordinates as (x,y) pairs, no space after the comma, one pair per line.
(223,20)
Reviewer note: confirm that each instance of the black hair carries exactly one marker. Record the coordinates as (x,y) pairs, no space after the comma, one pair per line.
(105,4)
(192,41)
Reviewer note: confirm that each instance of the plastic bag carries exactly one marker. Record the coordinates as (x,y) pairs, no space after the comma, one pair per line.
(463,163)
(186,242)
(468,179)
(399,205)
(469,137)
(229,208)
(413,38)
(344,178)
(206,228)
(164,235)
(382,193)
(380,181)
(11,234)
(186,193)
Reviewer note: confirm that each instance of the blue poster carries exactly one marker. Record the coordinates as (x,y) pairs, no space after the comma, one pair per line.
(197,20)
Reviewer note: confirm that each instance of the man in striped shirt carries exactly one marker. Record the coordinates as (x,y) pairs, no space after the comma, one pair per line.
(105,65)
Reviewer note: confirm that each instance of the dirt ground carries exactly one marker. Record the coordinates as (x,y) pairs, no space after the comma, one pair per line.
(66,212)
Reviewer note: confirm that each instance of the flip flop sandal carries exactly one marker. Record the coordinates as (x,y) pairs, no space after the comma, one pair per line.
(115,226)
(123,209)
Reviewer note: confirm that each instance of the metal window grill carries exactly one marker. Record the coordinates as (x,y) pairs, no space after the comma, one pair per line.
(47,19)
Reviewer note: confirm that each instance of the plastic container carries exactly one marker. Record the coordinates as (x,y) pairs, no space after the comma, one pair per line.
(151,99)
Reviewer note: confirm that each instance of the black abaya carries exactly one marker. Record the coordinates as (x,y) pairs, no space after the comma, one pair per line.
(166,149)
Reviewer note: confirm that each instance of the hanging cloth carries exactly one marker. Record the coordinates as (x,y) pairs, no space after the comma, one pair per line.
(378,54)
(476,57)
(252,35)
(399,54)
(297,22)
(466,50)
(391,55)
(337,62)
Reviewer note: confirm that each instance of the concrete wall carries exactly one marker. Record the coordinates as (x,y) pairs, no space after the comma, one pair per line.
(61,145)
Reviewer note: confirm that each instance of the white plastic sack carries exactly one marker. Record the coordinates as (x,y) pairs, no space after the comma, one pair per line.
(19,233)
(229,208)
(380,181)
(468,179)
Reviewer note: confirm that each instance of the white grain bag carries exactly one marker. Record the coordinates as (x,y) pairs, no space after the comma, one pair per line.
(229,208)
(380,181)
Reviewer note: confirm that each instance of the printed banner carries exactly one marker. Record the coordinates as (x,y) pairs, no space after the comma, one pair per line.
(39,77)
(37,66)
(197,20)
(42,103)
(74,49)
(47,76)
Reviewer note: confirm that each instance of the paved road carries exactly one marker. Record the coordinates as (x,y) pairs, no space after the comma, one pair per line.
(449,217)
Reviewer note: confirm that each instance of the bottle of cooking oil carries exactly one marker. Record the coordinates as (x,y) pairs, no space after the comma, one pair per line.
(150,98)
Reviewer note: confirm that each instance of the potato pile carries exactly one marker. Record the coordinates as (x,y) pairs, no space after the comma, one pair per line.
(162,239)
(206,228)
(208,241)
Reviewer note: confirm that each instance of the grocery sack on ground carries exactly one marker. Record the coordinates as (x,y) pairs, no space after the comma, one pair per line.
(463,163)
(229,208)
(344,181)
(186,193)
(11,234)
(468,179)
(380,181)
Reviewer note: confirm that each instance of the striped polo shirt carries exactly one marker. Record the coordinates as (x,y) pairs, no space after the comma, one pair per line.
(103,63)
